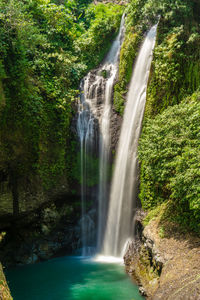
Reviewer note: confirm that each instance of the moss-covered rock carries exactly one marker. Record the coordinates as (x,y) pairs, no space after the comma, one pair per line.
(166,266)
(128,54)
(4,289)
(47,231)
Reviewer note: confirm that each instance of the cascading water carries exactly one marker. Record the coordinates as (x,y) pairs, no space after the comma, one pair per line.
(111,67)
(119,226)
(94,133)
(87,126)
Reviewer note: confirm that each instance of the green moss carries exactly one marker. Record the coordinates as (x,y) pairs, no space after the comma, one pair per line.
(161,232)
(104,73)
(127,57)
(119,98)
(152,214)
(92,163)
(146,269)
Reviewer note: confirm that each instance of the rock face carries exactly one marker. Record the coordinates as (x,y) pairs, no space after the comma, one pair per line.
(46,232)
(166,266)
(4,290)
(31,194)
(116,121)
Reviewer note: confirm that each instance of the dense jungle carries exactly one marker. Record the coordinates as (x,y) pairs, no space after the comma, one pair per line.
(60,62)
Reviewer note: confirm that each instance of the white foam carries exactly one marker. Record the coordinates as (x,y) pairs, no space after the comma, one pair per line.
(109,259)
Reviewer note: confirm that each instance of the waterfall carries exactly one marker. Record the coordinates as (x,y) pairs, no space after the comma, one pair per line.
(93,128)
(87,131)
(111,67)
(119,226)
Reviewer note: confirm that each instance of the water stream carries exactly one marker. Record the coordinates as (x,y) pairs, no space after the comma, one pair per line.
(122,203)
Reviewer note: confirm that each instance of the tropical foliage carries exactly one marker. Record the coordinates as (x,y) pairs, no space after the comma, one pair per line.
(169,153)
(46,47)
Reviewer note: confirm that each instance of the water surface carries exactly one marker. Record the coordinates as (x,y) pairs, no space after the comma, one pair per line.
(71,278)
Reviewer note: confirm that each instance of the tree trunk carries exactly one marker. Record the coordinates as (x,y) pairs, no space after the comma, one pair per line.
(14,190)
(15,196)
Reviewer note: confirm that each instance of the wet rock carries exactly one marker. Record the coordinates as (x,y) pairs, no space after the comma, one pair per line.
(116,122)
(41,234)
(31,260)
(45,229)
(142,291)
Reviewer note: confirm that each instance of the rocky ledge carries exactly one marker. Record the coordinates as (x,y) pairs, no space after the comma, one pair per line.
(165,263)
